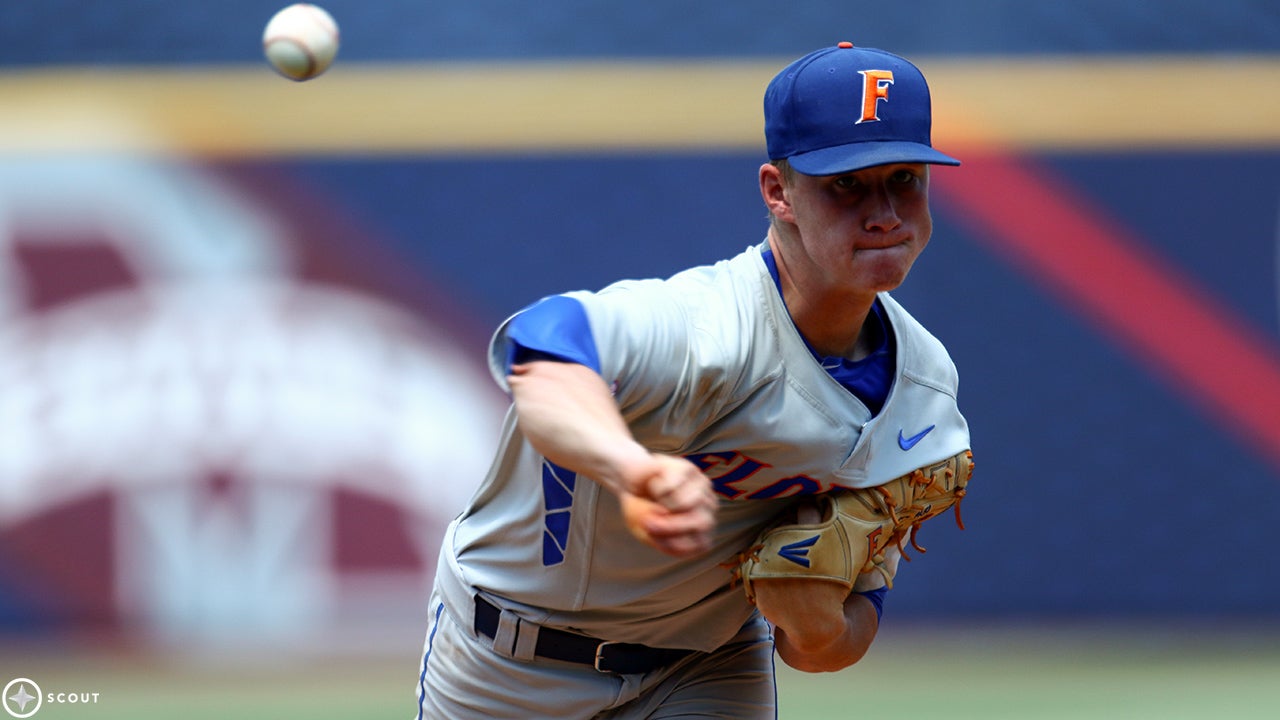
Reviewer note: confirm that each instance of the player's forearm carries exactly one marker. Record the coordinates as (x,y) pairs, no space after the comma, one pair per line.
(813,655)
(568,414)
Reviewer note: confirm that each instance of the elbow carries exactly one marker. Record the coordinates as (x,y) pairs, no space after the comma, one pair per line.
(821,662)
(831,658)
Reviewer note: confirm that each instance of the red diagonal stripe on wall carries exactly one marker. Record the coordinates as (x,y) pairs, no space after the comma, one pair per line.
(1173,325)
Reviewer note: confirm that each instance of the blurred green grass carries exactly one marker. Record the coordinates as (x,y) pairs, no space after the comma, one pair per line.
(1030,673)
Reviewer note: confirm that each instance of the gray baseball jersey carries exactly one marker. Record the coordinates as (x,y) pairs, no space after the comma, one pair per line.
(707,365)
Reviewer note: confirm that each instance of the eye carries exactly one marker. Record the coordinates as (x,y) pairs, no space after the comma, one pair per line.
(846,182)
(903,176)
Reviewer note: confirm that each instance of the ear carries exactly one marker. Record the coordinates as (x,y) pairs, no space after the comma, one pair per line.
(773,189)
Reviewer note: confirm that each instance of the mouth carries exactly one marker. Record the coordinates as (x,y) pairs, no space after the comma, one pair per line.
(882,245)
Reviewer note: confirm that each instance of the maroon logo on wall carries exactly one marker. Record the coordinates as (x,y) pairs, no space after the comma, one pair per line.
(218,424)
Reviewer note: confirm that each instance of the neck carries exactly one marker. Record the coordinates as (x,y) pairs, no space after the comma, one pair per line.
(829,320)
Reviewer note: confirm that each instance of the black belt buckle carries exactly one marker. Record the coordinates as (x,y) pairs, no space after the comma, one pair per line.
(601,662)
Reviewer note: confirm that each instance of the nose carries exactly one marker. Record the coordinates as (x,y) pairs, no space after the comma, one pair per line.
(881,214)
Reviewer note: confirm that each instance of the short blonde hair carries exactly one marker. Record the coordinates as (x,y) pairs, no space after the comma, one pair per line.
(784,165)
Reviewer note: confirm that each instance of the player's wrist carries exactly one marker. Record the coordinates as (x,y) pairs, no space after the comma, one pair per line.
(624,466)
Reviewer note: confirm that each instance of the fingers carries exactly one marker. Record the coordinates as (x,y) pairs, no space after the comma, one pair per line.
(680,534)
(807,513)
(674,509)
(678,485)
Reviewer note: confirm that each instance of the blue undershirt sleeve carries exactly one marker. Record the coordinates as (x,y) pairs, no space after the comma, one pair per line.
(877,599)
(554,328)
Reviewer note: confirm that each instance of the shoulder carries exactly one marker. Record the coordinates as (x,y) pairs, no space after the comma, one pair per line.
(711,300)
(689,345)
(722,279)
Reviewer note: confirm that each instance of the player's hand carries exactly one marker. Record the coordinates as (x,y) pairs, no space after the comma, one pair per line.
(670,506)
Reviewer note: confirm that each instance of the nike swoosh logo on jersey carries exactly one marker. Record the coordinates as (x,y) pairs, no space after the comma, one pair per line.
(798,552)
(906,443)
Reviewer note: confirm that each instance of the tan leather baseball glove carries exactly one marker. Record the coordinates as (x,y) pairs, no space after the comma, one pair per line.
(855,529)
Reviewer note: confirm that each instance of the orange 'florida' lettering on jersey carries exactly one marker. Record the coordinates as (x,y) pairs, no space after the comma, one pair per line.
(726,469)
(875,87)
(729,468)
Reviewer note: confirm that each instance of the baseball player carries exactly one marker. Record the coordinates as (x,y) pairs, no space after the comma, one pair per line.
(659,426)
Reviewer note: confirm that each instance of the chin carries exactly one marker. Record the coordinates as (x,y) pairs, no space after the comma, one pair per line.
(883,277)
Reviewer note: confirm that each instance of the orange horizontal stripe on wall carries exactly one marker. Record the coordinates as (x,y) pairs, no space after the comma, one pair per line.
(356,108)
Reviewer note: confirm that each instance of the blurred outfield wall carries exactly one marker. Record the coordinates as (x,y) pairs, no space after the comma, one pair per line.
(242,321)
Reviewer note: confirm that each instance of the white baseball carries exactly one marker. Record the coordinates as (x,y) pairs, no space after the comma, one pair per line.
(301,41)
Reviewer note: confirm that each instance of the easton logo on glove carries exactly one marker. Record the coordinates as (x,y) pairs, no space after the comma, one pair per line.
(798,552)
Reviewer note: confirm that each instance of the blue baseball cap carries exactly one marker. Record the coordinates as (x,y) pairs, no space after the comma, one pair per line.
(846,108)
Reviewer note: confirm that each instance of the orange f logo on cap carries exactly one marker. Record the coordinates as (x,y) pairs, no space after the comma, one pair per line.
(875,87)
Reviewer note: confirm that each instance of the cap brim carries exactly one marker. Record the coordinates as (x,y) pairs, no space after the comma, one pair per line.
(857,156)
